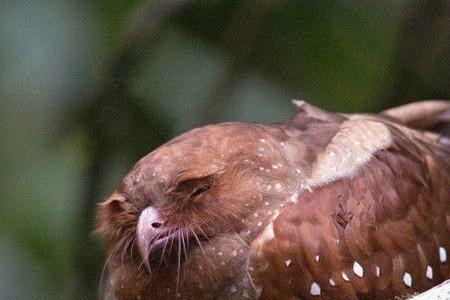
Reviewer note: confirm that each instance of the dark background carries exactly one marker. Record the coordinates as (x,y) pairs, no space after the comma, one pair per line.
(88,87)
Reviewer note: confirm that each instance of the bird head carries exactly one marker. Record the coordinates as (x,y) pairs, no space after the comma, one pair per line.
(209,181)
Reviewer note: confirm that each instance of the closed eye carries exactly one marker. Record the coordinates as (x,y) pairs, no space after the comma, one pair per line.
(192,188)
(200,190)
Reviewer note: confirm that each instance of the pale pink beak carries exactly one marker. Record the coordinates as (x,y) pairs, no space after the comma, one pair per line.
(152,232)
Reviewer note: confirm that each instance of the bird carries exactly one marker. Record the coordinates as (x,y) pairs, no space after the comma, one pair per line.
(324,206)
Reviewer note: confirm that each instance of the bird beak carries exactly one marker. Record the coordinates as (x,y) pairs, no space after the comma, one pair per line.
(152,233)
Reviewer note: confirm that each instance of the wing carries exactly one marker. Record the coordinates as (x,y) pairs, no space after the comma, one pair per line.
(371,222)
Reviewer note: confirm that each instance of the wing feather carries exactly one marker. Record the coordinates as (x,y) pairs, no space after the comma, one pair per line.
(372,235)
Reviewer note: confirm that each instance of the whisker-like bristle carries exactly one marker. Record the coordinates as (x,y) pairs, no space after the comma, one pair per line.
(125,249)
(187,239)
(100,285)
(132,246)
(183,243)
(179,262)
(209,265)
(146,260)
(198,241)
(164,249)
(171,243)
(203,233)
(122,247)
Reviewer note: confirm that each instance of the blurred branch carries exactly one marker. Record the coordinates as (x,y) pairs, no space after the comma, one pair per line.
(111,120)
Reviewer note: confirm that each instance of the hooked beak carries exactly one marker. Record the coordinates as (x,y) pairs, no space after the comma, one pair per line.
(152,232)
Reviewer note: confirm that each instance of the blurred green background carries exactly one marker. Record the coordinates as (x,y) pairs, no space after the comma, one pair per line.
(88,87)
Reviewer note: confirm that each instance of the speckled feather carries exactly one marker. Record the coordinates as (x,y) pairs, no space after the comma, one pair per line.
(326,206)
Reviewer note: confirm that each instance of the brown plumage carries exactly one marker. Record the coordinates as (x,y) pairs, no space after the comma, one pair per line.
(326,206)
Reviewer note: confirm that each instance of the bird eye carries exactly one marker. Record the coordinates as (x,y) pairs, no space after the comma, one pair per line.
(200,190)
(193,187)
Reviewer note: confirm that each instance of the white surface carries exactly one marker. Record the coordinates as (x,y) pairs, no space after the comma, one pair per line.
(439,292)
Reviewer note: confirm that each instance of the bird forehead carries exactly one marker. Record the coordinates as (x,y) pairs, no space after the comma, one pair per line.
(205,149)
(215,140)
